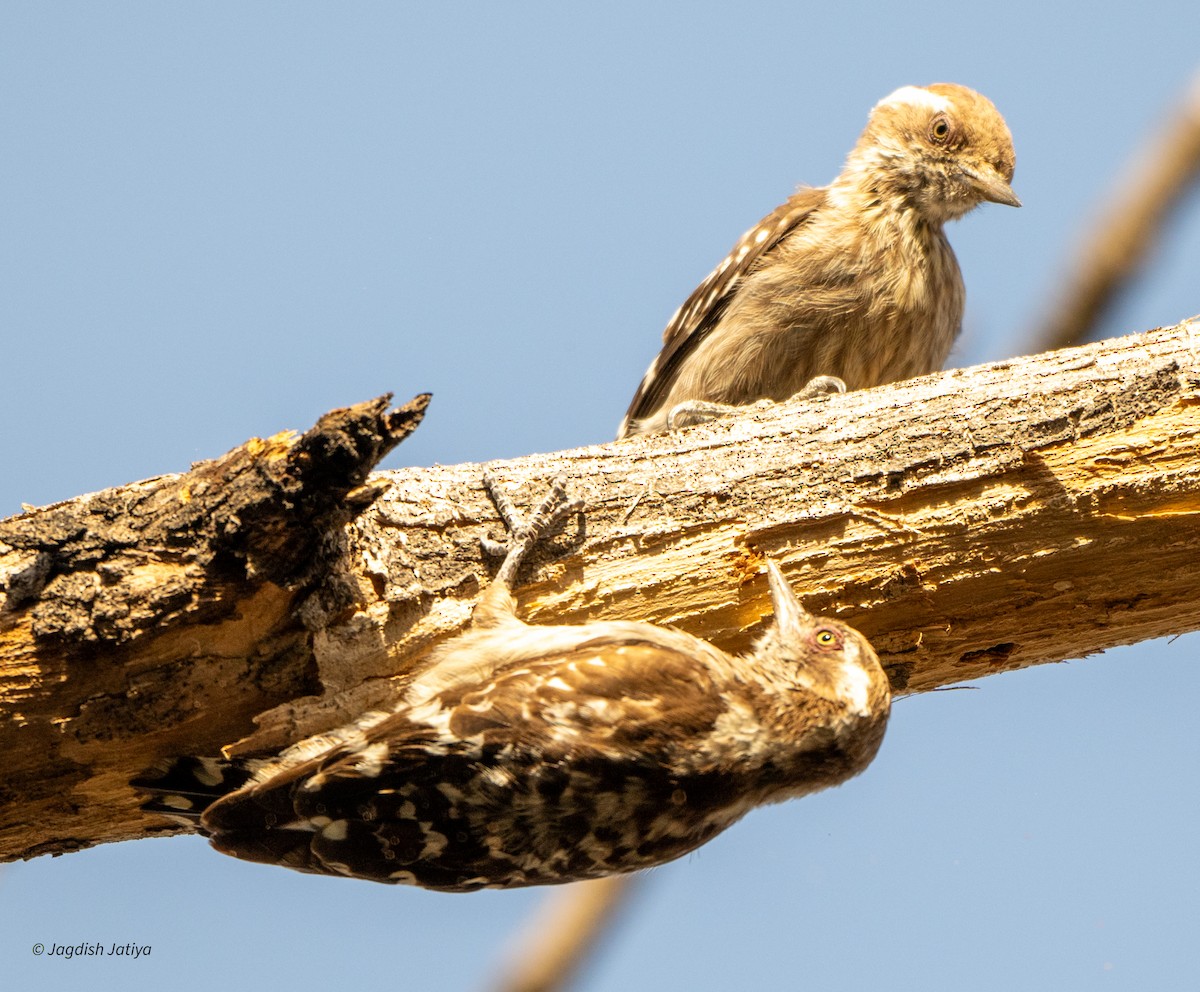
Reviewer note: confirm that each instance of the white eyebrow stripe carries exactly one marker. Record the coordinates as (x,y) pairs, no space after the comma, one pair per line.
(915,96)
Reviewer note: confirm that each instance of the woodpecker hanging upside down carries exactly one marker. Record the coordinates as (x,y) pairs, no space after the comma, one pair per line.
(532,755)
(847,286)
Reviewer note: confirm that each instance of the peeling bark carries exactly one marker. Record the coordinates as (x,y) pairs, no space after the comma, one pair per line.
(167,610)
(969,523)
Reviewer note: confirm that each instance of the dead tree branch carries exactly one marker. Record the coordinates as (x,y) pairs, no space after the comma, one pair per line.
(969,523)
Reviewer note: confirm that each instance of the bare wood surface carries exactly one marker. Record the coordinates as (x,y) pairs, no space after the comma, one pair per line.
(969,523)
(1126,229)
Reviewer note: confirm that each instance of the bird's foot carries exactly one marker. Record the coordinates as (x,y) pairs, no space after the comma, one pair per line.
(524,535)
(822,385)
(691,412)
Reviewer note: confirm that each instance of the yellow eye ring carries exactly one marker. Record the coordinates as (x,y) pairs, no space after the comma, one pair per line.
(827,638)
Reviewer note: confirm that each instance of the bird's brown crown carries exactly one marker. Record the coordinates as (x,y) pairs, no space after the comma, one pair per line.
(943,147)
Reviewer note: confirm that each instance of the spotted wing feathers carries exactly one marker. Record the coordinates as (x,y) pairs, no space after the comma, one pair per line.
(702,311)
(481,785)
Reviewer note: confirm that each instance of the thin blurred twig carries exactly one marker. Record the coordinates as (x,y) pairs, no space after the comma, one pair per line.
(567,927)
(1115,247)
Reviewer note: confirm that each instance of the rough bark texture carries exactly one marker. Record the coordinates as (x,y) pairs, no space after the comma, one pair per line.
(167,610)
(969,523)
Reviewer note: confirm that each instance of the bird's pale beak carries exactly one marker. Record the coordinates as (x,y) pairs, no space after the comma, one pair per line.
(988,183)
(790,616)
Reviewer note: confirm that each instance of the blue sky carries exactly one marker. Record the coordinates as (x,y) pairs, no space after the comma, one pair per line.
(221,220)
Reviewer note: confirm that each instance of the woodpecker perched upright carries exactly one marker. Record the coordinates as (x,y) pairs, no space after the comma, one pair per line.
(532,755)
(846,286)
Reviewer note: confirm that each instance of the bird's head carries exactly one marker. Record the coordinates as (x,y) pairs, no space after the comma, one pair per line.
(820,655)
(942,148)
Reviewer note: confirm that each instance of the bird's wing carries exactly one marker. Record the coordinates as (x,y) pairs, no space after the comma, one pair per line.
(374,807)
(702,310)
(601,698)
(597,700)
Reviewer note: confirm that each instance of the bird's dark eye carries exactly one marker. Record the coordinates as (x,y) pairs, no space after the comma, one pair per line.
(827,638)
(940,129)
